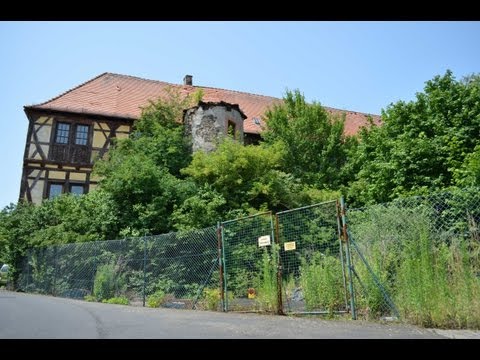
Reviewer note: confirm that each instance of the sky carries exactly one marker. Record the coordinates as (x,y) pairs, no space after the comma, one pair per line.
(359,66)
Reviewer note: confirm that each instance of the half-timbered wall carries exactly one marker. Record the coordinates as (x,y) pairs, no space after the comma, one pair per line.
(64,158)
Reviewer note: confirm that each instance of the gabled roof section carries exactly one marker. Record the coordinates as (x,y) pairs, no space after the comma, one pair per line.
(123,96)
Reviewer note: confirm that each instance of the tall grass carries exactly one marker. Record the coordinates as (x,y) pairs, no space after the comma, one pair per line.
(431,272)
(370,299)
(321,282)
(266,282)
(438,285)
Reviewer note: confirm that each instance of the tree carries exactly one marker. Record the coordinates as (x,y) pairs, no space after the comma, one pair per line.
(142,173)
(65,219)
(469,173)
(247,177)
(313,140)
(421,143)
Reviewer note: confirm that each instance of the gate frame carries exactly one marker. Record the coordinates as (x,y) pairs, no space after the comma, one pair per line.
(223,279)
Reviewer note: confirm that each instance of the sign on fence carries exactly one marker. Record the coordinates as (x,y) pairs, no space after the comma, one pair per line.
(264,240)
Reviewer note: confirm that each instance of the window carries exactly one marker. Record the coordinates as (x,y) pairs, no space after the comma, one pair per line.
(62,134)
(71,143)
(54,190)
(77,189)
(57,188)
(81,135)
(231,129)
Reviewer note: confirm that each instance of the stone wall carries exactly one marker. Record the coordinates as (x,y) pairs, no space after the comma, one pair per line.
(209,122)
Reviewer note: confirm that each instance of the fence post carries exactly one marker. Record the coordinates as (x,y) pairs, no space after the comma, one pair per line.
(144,266)
(220,264)
(28,269)
(342,260)
(349,260)
(55,251)
(95,265)
(225,285)
(279,266)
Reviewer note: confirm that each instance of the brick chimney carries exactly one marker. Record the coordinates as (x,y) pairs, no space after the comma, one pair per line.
(187,80)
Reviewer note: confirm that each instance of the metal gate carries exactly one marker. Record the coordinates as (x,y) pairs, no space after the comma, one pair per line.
(250,263)
(313,260)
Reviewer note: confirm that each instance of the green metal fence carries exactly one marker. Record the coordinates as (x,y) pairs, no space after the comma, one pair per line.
(176,268)
(418,258)
(312,260)
(250,264)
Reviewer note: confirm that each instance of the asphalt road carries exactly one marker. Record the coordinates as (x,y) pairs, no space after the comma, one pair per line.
(27,316)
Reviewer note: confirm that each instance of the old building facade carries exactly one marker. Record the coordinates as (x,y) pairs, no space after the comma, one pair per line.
(68,133)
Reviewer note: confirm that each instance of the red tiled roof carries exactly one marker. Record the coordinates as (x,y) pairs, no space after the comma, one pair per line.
(123,96)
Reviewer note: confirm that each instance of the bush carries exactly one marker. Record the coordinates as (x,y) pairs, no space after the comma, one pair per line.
(267,281)
(116,300)
(156,300)
(90,298)
(211,298)
(107,283)
(321,282)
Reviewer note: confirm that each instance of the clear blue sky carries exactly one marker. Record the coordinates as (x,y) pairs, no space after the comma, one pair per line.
(361,66)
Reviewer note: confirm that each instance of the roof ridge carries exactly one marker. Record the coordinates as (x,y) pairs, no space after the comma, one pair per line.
(237,91)
(181,85)
(70,90)
(141,78)
(197,86)
(350,111)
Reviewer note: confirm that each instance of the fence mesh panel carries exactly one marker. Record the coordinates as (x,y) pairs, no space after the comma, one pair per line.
(312,260)
(175,268)
(425,253)
(184,266)
(250,266)
(416,258)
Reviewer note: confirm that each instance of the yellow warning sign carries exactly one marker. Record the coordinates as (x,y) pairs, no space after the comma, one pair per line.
(289,246)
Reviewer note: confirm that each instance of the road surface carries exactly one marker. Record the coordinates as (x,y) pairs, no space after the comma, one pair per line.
(28,316)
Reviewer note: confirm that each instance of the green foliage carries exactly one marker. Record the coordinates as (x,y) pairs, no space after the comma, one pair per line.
(211,298)
(313,140)
(247,177)
(156,299)
(197,96)
(107,282)
(321,282)
(116,300)
(419,250)
(90,298)
(65,219)
(266,282)
(469,172)
(200,210)
(145,192)
(142,173)
(421,144)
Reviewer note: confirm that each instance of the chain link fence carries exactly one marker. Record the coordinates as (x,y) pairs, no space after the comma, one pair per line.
(312,260)
(419,258)
(170,270)
(250,263)
(416,259)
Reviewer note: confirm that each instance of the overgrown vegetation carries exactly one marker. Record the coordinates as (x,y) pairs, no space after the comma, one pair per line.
(108,282)
(266,282)
(428,262)
(321,282)
(121,300)
(156,299)
(211,299)
(152,184)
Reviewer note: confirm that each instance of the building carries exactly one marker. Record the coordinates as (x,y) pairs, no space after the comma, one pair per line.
(69,132)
